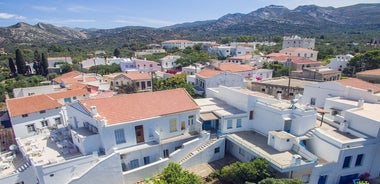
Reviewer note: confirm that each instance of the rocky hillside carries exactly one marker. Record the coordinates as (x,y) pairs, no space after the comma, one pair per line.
(23,33)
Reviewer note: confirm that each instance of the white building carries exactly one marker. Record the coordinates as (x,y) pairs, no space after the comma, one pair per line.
(296,41)
(352,88)
(339,62)
(33,114)
(300,52)
(168,62)
(22,92)
(208,78)
(182,44)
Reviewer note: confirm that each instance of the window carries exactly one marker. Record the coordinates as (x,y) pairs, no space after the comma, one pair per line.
(137,84)
(217,150)
(241,152)
(287,125)
(251,115)
(359,160)
(74,97)
(190,120)
(312,101)
(183,125)
(166,153)
(30,128)
(25,115)
(149,83)
(44,123)
(43,111)
(57,121)
(134,163)
(346,163)
(173,125)
(238,123)
(263,90)
(322,179)
(119,136)
(146,160)
(229,124)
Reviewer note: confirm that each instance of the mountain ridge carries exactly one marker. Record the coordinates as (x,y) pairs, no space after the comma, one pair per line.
(270,20)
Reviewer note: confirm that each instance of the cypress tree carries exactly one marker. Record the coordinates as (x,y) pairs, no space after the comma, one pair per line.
(12,66)
(37,62)
(20,63)
(44,65)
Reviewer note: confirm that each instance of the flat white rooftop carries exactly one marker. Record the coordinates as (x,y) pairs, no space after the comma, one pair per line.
(258,144)
(369,110)
(42,149)
(217,106)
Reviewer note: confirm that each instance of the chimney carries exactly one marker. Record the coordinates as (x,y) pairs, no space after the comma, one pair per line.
(360,103)
(94,112)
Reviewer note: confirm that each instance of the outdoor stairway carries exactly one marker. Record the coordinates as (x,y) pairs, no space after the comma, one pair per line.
(23,167)
(199,149)
(310,133)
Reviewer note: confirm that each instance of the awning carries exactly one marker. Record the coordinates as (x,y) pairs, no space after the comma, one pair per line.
(208,116)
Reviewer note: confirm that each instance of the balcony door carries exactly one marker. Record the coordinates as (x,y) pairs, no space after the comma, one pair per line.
(139,130)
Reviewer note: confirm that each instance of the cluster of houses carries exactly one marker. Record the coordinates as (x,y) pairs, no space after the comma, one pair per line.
(77,130)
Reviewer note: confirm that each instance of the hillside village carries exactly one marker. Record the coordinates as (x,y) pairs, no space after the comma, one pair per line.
(313,125)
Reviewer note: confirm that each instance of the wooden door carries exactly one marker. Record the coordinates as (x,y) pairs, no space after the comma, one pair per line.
(139,130)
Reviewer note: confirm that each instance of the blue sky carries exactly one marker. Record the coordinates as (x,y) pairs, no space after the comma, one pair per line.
(152,13)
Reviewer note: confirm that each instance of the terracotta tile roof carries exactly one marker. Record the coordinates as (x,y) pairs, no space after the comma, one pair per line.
(176,41)
(29,104)
(235,67)
(357,83)
(370,72)
(206,73)
(68,93)
(274,54)
(71,74)
(138,76)
(296,49)
(77,86)
(132,107)
(242,57)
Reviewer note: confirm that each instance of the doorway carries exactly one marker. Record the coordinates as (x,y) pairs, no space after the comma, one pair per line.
(139,130)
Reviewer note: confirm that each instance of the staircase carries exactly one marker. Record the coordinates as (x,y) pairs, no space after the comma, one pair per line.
(199,149)
(22,166)
(310,133)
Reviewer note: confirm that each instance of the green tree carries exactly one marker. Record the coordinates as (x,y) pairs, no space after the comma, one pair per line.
(37,62)
(44,65)
(177,81)
(65,68)
(238,172)
(116,53)
(361,62)
(105,69)
(20,63)
(11,65)
(174,173)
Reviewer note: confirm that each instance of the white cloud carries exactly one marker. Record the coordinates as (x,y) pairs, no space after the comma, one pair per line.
(44,8)
(65,21)
(10,16)
(141,21)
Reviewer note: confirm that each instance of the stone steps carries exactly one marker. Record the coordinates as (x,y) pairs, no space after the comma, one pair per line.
(199,149)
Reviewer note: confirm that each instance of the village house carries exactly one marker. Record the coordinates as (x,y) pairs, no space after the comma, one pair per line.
(317,74)
(300,52)
(169,62)
(296,41)
(182,44)
(339,62)
(208,78)
(142,81)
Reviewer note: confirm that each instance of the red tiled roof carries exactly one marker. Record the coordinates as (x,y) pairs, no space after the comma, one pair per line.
(206,73)
(357,83)
(370,72)
(296,49)
(138,76)
(235,67)
(29,104)
(132,107)
(68,75)
(68,93)
(242,57)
